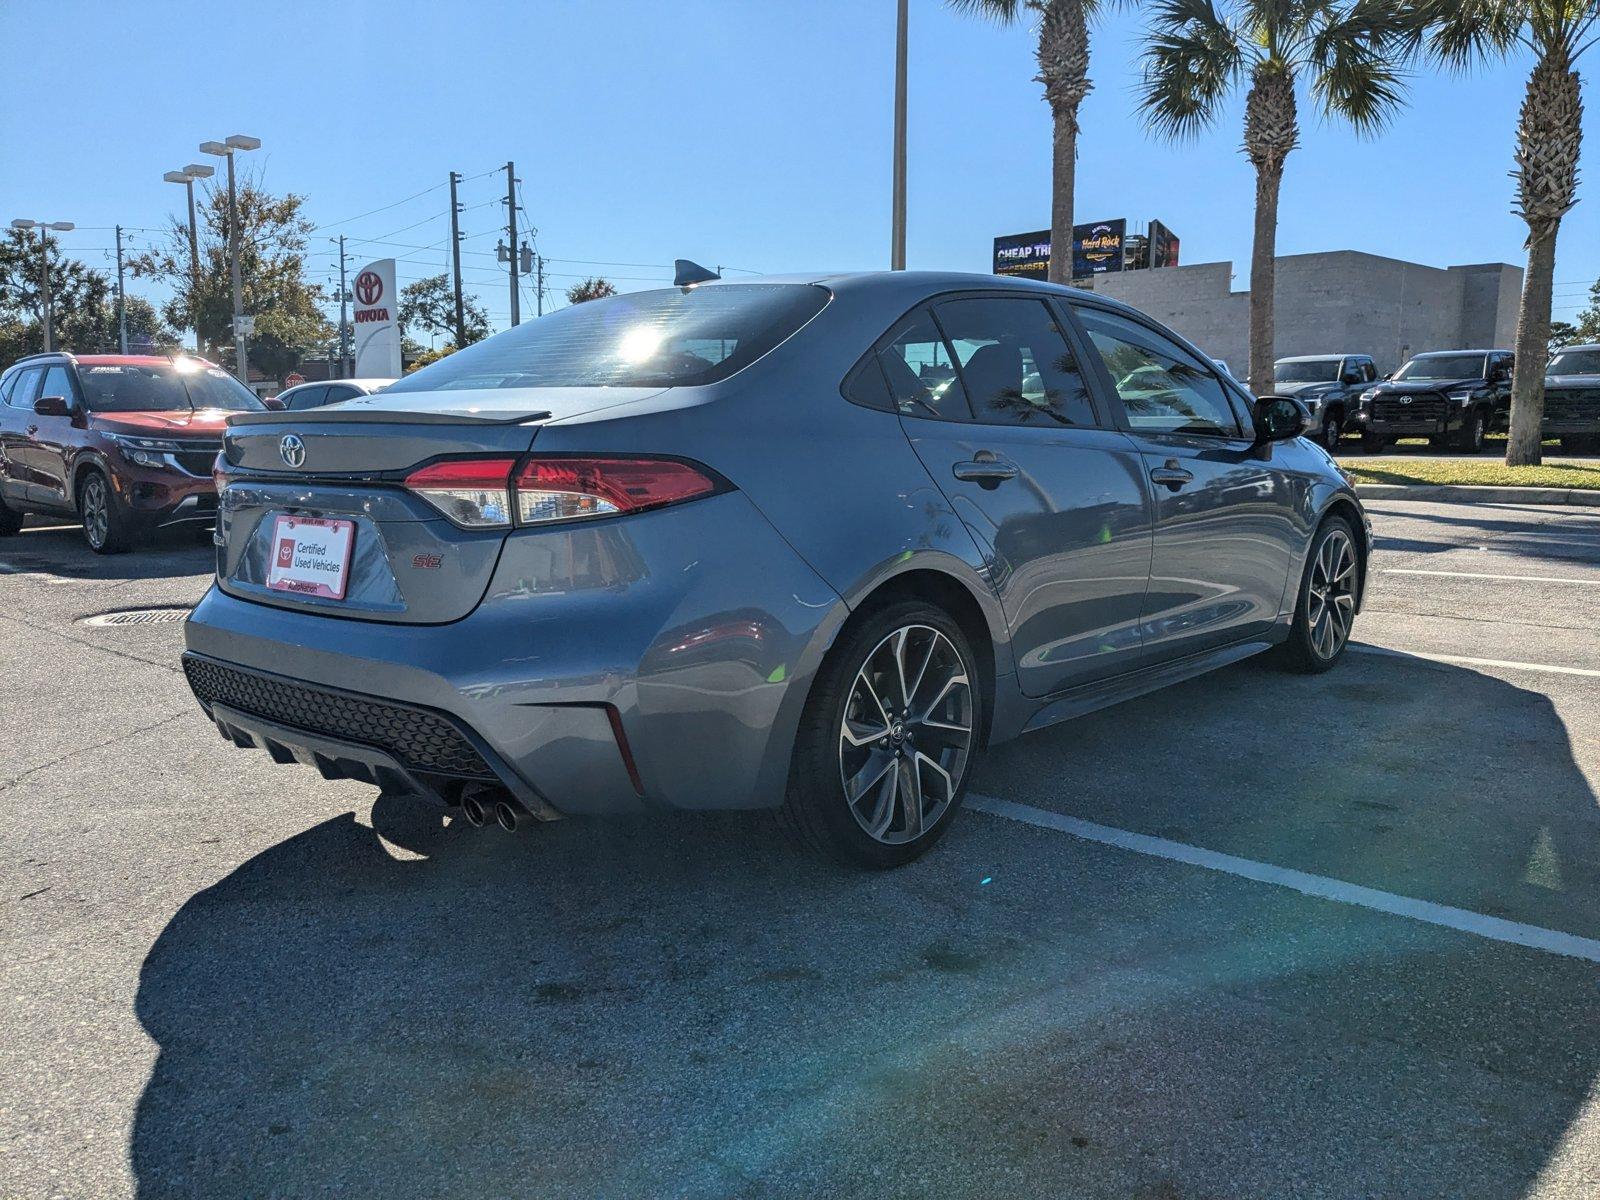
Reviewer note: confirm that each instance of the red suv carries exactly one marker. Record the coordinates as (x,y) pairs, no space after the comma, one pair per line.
(124,443)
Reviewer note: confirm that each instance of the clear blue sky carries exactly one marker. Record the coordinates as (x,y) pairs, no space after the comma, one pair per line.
(749,133)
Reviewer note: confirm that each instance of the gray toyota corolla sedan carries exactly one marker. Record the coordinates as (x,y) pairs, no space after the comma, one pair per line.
(808,543)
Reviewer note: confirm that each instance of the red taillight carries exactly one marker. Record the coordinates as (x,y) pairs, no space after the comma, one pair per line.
(562,489)
(480,493)
(475,493)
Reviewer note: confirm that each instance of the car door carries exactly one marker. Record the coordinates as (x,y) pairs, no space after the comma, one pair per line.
(1225,515)
(17,419)
(992,396)
(51,442)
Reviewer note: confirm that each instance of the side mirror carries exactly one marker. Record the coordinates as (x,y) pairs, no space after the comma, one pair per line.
(273,403)
(52,406)
(1278,418)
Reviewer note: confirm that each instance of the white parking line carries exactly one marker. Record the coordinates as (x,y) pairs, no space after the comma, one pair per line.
(1464,920)
(1479,575)
(1503,663)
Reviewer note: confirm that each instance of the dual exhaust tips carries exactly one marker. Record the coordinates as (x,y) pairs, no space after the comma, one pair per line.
(478,811)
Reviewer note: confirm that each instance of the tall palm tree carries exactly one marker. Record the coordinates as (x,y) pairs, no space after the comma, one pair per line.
(1549,135)
(1063,56)
(1348,55)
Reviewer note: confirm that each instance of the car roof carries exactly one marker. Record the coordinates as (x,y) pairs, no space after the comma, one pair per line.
(1445,353)
(370,382)
(1585,346)
(1320,357)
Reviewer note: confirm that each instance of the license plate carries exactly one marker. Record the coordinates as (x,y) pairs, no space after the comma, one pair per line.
(311,556)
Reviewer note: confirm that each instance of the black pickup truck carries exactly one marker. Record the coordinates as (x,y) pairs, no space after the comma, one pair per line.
(1449,396)
(1572,399)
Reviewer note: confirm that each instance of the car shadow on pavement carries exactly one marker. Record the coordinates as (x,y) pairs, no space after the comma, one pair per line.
(62,552)
(675,1006)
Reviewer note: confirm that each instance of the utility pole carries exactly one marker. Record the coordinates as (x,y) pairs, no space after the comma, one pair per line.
(511,228)
(344,317)
(455,261)
(122,299)
(897,246)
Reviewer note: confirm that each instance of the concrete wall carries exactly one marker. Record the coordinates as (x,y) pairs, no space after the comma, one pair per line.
(1343,301)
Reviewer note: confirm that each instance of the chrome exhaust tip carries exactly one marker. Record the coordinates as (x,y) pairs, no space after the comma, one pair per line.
(473,812)
(506,816)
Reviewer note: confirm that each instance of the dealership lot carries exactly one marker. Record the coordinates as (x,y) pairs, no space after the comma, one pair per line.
(228,978)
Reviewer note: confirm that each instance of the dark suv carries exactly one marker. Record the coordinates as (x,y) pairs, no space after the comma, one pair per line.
(124,443)
(1329,385)
(1448,396)
(1572,399)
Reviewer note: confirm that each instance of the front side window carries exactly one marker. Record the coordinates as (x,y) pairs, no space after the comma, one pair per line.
(57,382)
(1163,387)
(163,387)
(1443,366)
(675,337)
(1016,367)
(340,391)
(920,372)
(1576,362)
(1319,370)
(307,397)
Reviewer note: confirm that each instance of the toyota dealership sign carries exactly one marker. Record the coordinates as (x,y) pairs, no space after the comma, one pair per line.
(377,321)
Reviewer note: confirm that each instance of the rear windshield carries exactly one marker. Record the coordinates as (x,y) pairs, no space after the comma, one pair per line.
(1443,366)
(677,337)
(1575,362)
(168,387)
(1322,370)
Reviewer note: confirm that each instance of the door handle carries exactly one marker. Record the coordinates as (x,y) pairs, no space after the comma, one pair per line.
(31,430)
(1172,476)
(986,472)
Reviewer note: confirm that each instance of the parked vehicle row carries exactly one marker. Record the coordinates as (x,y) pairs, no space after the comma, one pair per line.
(125,443)
(809,543)
(1329,385)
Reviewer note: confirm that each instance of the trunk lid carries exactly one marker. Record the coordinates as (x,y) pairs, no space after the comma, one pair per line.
(407,562)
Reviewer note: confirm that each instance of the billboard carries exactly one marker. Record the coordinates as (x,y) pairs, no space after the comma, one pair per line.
(1163,246)
(1023,255)
(1136,252)
(377,321)
(1098,247)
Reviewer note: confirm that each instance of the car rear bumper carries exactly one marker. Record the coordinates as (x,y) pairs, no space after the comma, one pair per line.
(673,679)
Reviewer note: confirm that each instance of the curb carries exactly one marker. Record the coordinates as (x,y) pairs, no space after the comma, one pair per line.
(1448,493)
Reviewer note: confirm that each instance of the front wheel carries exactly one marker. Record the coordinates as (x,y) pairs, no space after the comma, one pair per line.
(107,526)
(1332,430)
(10,520)
(1373,443)
(1472,433)
(888,739)
(1326,610)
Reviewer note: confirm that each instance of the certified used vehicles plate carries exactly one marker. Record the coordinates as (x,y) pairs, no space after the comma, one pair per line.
(311,556)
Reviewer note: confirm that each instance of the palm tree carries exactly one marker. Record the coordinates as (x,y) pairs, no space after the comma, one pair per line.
(1347,53)
(1549,135)
(1063,57)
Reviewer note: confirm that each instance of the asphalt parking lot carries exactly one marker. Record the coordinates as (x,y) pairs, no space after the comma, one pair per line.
(1175,953)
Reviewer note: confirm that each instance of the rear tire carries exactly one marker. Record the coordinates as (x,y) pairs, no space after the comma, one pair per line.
(878,775)
(107,526)
(1373,443)
(1580,443)
(1324,613)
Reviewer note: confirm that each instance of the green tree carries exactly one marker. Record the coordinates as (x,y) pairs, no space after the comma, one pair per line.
(82,302)
(1588,327)
(273,232)
(1347,55)
(1562,335)
(430,305)
(1063,58)
(1549,138)
(596,288)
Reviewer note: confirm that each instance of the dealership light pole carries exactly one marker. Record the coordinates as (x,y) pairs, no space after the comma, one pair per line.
(44,269)
(897,243)
(241,339)
(344,313)
(187,176)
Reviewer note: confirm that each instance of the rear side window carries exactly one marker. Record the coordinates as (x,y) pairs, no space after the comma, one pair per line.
(676,337)
(1163,387)
(23,388)
(920,372)
(1015,365)
(340,391)
(307,397)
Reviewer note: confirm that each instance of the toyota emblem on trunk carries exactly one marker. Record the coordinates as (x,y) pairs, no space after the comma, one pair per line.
(292,450)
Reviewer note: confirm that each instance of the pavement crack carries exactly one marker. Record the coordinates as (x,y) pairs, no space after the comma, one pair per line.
(8,784)
(67,637)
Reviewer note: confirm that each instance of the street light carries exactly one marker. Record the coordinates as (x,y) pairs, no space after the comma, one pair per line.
(44,268)
(187,176)
(227,149)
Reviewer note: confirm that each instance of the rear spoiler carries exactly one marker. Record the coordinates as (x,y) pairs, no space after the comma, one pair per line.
(345,415)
